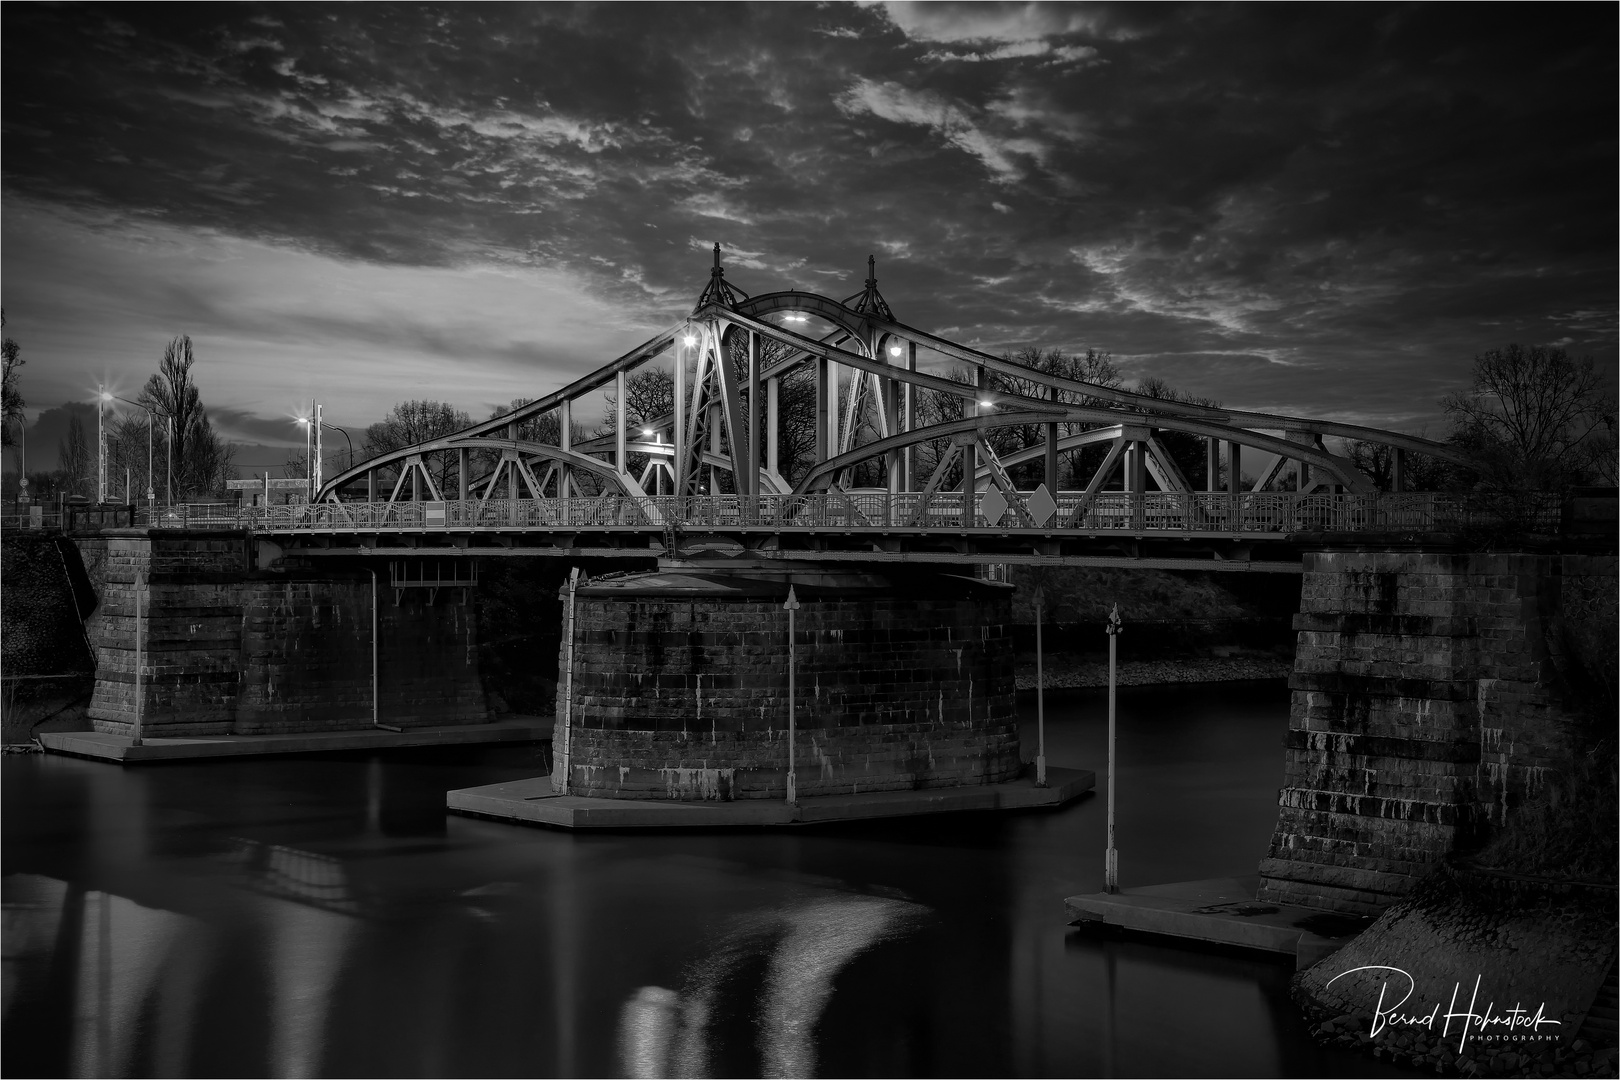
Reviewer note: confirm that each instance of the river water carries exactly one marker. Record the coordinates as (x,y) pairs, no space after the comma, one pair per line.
(322,915)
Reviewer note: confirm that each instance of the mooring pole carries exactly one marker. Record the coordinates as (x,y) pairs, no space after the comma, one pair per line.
(140,656)
(1040,691)
(791,605)
(1111,862)
(564,759)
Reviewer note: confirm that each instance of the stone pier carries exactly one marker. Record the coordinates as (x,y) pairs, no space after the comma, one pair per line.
(237,650)
(1432,692)
(904,682)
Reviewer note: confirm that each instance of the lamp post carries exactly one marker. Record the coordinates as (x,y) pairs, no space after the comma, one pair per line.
(101,444)
(792,605)
(312,433)
(1111,859)
(1040,691)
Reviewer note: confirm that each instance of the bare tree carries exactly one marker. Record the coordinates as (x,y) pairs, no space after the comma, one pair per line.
(1535,419)
(9,391)
(413,422)
(76,463)
(1377,461)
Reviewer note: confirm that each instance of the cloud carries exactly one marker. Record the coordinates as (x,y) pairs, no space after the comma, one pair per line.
(998,22)
(948,120)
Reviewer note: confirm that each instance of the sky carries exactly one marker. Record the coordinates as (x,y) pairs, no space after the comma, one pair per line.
(1320,209)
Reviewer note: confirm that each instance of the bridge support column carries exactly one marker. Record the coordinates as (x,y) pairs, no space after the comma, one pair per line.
(1431,698)
(1397,479)
(681,681)
(1212,464)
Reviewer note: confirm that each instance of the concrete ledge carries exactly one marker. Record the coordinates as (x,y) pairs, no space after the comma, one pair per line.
(531,802)
(1220,911)
(118,748)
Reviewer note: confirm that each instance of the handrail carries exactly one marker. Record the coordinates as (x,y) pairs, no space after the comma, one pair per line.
(1198,512)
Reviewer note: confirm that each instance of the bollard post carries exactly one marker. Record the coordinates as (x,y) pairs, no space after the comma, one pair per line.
(1111,859)
(791,605)
(1040,691)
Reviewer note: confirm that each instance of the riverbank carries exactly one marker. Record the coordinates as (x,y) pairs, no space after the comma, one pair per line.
(1074,673)
(1482,943)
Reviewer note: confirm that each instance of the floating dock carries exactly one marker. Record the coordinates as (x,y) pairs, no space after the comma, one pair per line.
(532,802)
(121,749)
(1219,911)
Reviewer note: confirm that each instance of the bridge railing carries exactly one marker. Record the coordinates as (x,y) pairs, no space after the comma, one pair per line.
(1155,512)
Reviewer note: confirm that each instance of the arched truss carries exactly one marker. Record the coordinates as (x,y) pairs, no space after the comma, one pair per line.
(724,425)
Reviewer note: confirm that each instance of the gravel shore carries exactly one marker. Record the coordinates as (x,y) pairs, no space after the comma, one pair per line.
(1063,673)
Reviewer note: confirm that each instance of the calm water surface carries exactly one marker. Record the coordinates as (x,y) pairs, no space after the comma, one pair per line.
(323,916)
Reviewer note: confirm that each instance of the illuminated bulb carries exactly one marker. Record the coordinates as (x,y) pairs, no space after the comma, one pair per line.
(895,350)
(987,403)
(646,431)
(690,340)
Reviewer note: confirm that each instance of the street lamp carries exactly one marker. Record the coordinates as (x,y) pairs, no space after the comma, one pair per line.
(313,463)
(151,495)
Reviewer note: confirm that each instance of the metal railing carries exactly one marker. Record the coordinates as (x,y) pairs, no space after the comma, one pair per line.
(910,512)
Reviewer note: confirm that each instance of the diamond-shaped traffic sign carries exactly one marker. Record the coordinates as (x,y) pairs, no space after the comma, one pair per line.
(993,505)
(1042,506)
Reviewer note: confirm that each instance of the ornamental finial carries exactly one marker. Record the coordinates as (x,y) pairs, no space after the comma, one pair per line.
(716,272)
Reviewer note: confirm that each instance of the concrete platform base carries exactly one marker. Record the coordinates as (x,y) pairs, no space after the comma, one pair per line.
(531,802)
(1221,911)
(103,747)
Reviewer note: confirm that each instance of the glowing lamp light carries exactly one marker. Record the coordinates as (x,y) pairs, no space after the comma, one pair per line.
(690,340)
(646,431)
(986,403)
(106,396)
(795,318)
(895,350)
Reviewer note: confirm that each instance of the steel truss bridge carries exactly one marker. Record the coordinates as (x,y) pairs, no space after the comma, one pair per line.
(713,463)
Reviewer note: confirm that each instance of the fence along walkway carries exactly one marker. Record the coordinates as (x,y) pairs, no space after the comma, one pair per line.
(1208,513)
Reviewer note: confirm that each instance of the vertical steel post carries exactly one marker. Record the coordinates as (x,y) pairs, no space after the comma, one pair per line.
(792,605)
(753,416)
(1212,464)
(911,416)
(1111,858)
(1234,482)
(376,718)
(463,480)
(677,437)
(1052,485)
(315,484)
(565,758)
(1040,690)
(822,366)
(620,436)
(140,657)
(773,452)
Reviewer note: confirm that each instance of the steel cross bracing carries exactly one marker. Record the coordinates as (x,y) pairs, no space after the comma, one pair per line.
(714,460)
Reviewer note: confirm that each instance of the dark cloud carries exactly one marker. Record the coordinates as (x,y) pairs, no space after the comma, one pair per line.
(1325,207)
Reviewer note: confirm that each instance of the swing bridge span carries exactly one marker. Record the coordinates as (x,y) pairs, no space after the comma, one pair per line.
(712,466)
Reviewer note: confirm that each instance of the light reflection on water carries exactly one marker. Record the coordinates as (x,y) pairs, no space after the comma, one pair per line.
(323,916)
